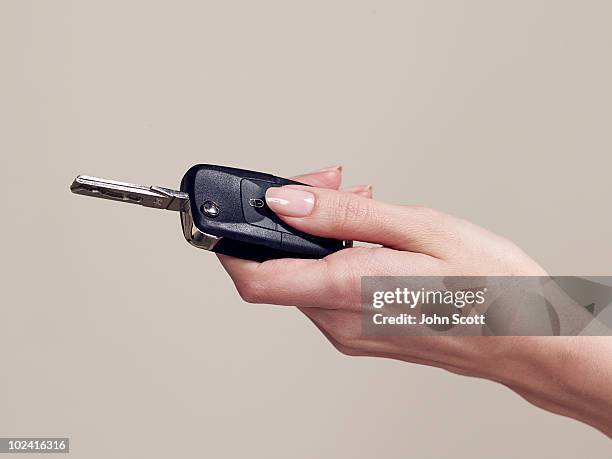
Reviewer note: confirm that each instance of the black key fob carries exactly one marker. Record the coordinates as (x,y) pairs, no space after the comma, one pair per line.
(228,214)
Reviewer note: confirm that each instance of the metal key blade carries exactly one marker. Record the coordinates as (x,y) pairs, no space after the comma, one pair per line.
(148,196)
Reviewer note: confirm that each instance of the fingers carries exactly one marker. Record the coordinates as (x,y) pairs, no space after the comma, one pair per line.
(330,177)
(340,215)
(288,281)
(360,190)
(333,282)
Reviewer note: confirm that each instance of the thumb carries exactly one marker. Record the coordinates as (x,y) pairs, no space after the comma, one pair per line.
(339,215)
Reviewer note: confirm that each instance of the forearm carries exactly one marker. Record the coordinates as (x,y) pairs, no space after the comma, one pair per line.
(571,376)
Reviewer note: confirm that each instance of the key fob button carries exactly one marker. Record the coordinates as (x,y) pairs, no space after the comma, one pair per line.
(256,212)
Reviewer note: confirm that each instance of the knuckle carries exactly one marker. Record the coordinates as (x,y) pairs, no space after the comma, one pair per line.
(343,336)
(438,225)
(346,286)
(346,350)
(250,291)
(350,211)
(432,216)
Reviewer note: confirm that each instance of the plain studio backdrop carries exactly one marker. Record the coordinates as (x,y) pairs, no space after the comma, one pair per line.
(118,334)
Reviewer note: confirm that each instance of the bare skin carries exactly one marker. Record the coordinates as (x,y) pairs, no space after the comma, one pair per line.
(570,376)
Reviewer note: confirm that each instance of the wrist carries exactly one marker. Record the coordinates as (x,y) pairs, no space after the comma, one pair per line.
(570,376)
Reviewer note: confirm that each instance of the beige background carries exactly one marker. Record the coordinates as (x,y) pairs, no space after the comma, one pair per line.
(115,332)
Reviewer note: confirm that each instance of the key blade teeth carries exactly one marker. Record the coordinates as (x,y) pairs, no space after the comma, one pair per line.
(107,189)
(155,197)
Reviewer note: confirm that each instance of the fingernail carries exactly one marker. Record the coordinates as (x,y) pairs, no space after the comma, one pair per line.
(330,169)
(290,202)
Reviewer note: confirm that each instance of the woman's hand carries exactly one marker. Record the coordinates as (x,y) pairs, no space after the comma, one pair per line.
(416,241)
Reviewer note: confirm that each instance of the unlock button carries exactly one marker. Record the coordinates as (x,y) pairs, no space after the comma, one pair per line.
(256,212)
(258,203)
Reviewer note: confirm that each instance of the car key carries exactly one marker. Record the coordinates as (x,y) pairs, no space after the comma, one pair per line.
(223,210)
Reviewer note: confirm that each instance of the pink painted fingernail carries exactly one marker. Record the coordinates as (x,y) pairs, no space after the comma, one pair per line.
(330,169)
(290,202)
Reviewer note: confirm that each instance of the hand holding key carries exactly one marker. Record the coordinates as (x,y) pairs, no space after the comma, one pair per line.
(416,241)
(222,210)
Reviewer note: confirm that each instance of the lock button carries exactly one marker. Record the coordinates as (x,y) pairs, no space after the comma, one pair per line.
(254,207)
